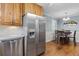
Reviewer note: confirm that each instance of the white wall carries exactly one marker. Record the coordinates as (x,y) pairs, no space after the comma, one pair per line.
(50,29)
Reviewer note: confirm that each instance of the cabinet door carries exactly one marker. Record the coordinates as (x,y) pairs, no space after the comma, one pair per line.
(17,14)
(0,13)
(37,9)
(33,8)
(41,11)
(7,14)
(28,7)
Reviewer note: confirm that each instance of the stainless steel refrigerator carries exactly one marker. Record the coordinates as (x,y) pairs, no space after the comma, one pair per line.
(34,43)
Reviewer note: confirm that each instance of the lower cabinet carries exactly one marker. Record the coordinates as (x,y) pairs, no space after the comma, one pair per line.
(11,47)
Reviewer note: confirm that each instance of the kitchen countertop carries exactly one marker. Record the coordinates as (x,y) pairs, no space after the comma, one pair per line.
(12,32)
(10,37)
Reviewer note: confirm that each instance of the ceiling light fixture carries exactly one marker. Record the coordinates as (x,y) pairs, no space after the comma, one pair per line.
(68,21)
(66,18)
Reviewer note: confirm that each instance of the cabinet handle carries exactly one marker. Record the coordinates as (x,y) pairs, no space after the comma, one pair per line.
(11,47)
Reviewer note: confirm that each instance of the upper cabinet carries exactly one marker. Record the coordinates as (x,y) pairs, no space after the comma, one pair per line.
(17,16)
(11,13)
(0,13)
(33,8)
(7,14)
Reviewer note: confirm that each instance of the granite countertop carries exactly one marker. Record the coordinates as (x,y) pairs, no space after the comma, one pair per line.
(10,37)
(12,32)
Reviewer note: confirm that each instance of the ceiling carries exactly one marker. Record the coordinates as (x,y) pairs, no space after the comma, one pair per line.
(58,10)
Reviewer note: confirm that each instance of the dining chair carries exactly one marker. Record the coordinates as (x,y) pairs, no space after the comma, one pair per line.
(58,36)
(61,37)
(73,35)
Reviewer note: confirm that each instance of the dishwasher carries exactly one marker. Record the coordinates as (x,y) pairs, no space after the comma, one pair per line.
(12,47)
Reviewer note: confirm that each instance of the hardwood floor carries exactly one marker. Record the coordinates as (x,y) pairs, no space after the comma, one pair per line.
(53,49)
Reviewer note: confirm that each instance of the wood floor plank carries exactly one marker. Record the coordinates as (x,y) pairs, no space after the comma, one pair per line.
(53,49)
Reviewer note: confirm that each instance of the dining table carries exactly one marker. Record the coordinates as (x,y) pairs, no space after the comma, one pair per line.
(63,36)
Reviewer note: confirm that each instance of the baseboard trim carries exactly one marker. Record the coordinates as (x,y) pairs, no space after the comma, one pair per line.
(77,43)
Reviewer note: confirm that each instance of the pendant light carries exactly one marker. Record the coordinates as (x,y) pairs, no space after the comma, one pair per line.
(66,18)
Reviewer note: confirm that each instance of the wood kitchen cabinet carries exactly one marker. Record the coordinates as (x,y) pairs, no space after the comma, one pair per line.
(11,14)
(7,16)
(38,10)
(0,13)
(17,14)
(33,8)
(41,11)
(28,7)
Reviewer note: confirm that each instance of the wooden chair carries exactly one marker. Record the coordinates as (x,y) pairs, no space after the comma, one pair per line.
(58,36)
(61,37)
(74,37)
